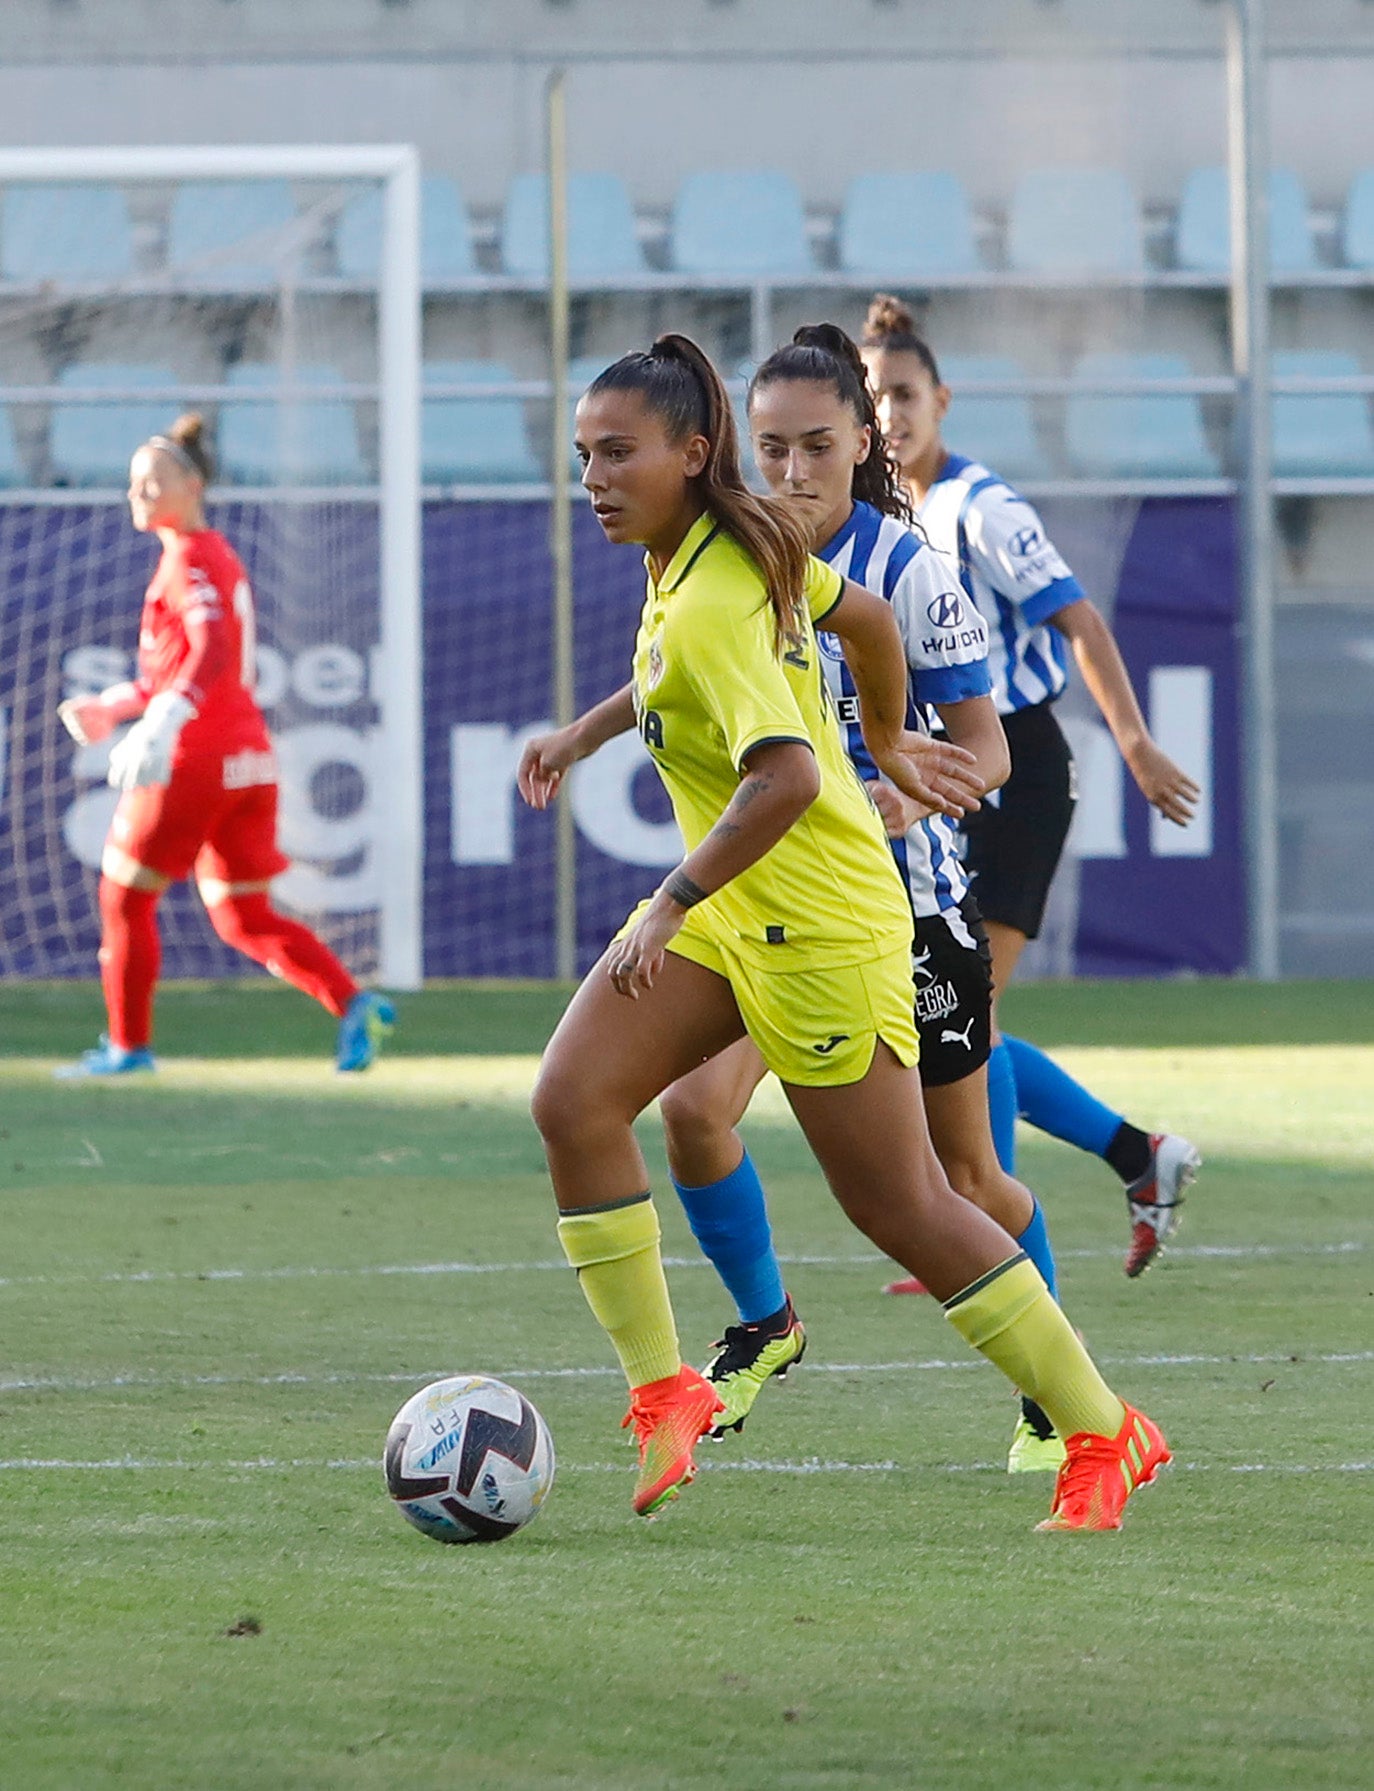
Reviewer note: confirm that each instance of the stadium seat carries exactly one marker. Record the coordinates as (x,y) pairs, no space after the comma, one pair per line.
(746,225)
(91,442)
(1323,434)
(475,441)
(1125,435)
(1074,221)
(603,242)
(995,429)
(267,442)
(903,226)
(445,235)
(222,232)
(1202,241)
(65,232)
(12,470)
(1357,230)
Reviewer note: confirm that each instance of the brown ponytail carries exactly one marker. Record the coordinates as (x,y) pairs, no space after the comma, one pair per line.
(185,442)
(682,387)
(890,325)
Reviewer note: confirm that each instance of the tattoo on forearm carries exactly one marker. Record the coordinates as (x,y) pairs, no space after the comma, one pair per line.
(679,887)
(757,784)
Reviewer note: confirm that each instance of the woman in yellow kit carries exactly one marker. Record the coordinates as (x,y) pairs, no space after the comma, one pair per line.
(786,920)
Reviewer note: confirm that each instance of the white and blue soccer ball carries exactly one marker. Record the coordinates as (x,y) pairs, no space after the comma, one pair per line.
(469,1459)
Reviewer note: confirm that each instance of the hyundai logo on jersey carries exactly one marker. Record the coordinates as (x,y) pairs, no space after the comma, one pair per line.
(946,611)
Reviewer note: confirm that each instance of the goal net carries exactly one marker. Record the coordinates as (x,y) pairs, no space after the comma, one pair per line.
(276,292)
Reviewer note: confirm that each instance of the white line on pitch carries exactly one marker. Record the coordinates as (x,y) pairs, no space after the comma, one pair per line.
(270,1464)
(928,1365)
(309,1272)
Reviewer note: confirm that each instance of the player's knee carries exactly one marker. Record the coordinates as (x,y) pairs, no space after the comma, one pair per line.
(692,1124)
(229,921)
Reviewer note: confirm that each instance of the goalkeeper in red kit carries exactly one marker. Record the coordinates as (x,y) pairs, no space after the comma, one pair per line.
(198,777)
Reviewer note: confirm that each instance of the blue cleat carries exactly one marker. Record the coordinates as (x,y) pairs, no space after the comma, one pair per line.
(107,1060)
(369,1019)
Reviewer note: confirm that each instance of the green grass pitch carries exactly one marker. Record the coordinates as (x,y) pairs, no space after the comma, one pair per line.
(218,1285)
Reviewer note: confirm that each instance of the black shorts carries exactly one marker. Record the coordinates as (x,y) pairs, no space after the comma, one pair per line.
(953,994)
(1013,846)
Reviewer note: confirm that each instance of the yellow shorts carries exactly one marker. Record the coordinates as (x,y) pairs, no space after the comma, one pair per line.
(818,1028)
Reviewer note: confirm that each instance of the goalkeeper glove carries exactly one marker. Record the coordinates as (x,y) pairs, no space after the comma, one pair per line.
(89,719)
(144,755)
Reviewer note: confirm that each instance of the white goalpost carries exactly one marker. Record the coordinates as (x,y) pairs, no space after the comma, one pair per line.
(56,321)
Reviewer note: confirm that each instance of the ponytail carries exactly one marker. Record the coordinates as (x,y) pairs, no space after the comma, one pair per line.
(822,354)
(890,325)
(682,388)
(185,442)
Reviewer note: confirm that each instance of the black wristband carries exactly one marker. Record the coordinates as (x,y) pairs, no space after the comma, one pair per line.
(679,887)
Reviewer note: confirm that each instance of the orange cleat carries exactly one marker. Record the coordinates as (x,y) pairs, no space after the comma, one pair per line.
(909,1285)
(670,1418)
(1100,1473)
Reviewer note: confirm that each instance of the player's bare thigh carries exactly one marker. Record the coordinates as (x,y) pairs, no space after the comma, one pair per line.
(609,1058)
(701,1110)
(960,1130)
(872,1143)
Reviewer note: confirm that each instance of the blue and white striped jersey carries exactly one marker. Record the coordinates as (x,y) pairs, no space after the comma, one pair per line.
(947,652)
(997,545)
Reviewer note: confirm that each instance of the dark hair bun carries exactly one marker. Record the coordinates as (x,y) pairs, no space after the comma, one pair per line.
(188,432)
(888,316)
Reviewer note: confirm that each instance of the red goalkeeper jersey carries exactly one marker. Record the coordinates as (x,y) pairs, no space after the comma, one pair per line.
(197,637)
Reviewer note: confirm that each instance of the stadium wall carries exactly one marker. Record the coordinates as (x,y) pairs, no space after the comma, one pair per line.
(1149,901)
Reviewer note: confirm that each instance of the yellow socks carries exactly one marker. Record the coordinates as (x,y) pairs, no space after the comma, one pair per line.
(614,1249)
(1009,1315)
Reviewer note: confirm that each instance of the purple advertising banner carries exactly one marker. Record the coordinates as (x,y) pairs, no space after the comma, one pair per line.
(1151,900)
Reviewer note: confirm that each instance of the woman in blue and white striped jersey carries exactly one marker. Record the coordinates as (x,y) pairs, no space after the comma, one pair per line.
(993,541)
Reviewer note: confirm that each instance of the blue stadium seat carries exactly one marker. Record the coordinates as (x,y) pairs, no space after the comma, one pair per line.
(1321,435)
(211,219)
(1357,232)
(602,239)
(746,225)
(267,442)
(12,470)
(474,441)
(445,234)
(1074,221)
(92,442)
(903,226)
(56,231)
(992,428)
(1202,241)
(1125,435)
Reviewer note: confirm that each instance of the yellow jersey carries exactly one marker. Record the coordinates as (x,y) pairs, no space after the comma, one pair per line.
(709,688)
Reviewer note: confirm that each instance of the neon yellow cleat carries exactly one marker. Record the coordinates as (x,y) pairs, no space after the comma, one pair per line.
(1033,1454)
(748,1357)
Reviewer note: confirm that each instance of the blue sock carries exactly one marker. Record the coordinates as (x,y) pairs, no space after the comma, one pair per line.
(1035,1241)
(730,1221)
(1053,1102)
(1002,1106)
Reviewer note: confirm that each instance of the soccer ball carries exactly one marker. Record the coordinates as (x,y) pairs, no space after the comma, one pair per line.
(469,1460)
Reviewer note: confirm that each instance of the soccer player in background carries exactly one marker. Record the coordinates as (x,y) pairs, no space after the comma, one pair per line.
(198,777)
(817,442)
(786,919)
(995,542)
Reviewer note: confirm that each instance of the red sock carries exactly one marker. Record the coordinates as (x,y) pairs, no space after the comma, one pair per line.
(252,925)
(130,956)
